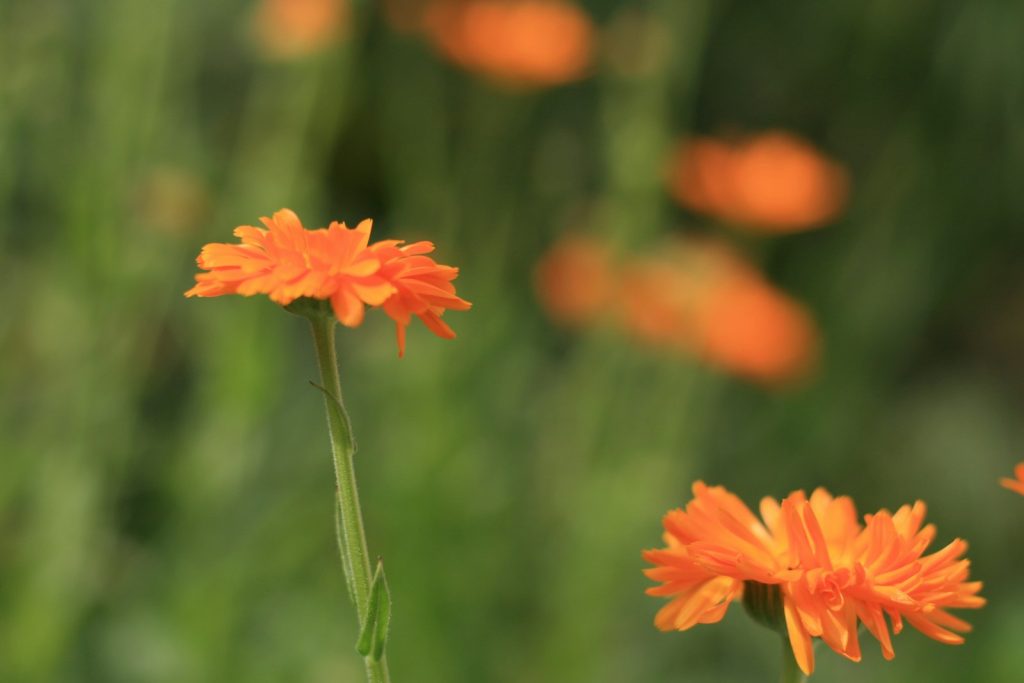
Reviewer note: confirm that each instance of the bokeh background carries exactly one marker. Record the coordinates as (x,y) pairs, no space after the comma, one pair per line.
(165,482)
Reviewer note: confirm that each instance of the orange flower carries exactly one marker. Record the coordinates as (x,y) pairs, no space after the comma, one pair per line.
(574,280)
(1015,484)
(531,42)
(773,182)
(821,570)
(421,287)
(702,298)
(288,29)
(287,262)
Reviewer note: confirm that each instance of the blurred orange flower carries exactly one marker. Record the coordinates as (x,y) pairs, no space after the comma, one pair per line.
(1016,484)
(528,42)
(288,29)
(773,182)
(287,262)
(821,570)
(575,281)
(701,297)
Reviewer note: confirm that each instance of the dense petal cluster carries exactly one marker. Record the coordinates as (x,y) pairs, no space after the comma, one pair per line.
(528,42)
(831,571)
(1017,482)
(773,182)
(287,262)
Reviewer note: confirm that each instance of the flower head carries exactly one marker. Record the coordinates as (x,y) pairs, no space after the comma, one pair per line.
(828,570)
(1017,482)
(532,42)
(421,287)
(286,262)
(702,298)
(575,280)
(773,182)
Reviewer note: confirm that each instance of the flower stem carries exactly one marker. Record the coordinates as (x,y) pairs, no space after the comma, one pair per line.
(352,538)
(791,672)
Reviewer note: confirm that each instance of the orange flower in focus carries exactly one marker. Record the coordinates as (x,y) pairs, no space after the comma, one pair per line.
(421,287)
(532,42)
(575,281)
(702,298)
(773,182)
(287,262)
(808,567)
(288,29)
(1016,484)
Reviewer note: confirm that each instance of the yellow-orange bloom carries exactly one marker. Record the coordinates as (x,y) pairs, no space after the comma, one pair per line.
(773,182)
(421,287)
(530,42)
(1016,484)
(828,571)
(287,262)
(288,29)
(575,281)
(701,297)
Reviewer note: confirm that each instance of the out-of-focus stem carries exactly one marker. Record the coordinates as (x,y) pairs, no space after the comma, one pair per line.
(352,539)
(791,672)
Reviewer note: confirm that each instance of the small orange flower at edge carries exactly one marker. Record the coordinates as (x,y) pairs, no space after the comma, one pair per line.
(1016,484)
(338,264)
(826,571)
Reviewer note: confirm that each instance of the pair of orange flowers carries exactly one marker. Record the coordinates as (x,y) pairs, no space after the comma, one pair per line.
(830,571)
(287,262)
(692,296)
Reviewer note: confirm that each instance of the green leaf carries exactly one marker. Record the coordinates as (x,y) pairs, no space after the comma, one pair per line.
(374,634)
(345,564)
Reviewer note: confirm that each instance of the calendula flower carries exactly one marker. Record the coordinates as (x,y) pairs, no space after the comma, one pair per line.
(702,298)
(809,568)
(287,262)
(773,182)
(421,287)
(530,42)
(1017,483)
(575,280)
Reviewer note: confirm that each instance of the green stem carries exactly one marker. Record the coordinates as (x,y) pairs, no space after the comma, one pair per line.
(352,539)
(791,672)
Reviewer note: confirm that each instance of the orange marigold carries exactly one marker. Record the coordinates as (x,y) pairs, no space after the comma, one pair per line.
(575,280)
(773,182)
(701,297)
(533,42)
(286,262)
(809,567)
(1017,483)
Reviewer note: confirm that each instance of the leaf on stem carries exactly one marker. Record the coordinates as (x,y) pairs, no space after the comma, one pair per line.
(374,633)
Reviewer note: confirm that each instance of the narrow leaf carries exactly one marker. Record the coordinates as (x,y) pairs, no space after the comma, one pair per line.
(373,635)
(345,565)
(380,636)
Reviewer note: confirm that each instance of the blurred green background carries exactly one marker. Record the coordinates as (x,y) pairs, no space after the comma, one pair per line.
(165,482)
